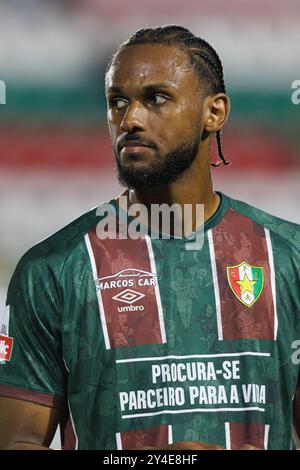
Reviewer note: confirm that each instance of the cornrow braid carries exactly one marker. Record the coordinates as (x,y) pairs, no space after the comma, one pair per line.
(202,55)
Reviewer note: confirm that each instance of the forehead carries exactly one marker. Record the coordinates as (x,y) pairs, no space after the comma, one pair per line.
(144,64)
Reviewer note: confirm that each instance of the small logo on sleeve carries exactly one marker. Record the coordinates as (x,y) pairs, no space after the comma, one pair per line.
(6,345)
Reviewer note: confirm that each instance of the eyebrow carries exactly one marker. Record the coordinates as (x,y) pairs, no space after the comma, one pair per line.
(147,88)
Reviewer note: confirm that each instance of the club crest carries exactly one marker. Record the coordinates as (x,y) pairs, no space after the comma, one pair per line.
(246,282)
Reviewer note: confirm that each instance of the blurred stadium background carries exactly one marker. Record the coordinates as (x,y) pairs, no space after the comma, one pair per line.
(55,155)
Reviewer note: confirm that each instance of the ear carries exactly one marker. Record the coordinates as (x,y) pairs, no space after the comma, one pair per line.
(216,109)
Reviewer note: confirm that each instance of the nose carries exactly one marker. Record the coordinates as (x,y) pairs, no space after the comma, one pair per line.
(134,118)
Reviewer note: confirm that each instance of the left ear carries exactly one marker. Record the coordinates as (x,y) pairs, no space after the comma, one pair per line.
(216,109)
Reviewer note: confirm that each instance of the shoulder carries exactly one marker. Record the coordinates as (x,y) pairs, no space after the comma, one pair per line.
(46,258)
(280,229)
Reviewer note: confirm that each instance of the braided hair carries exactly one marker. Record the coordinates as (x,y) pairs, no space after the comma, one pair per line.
(202,55)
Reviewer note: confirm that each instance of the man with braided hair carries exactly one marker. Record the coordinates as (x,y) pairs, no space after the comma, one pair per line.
(104,349)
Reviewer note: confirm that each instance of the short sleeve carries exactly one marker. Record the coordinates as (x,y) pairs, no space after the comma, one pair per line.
(31,354)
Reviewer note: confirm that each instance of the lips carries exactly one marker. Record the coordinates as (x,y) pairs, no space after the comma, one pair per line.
(133,144)
(136,149)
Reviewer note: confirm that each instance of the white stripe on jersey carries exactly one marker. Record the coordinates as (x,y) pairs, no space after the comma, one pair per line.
(273,283)
(98,291)
(157,293)
(266,437)
(227,436)
(170,434)
(119,441)
(216,283)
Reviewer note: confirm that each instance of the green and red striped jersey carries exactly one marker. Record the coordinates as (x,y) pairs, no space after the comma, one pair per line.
(152,343)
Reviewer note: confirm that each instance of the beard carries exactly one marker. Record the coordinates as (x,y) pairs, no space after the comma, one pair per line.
(160,171)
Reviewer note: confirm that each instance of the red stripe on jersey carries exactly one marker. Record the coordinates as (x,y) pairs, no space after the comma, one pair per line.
(153,437)
(236,239)
(246,433)
(68,437)
(130,298)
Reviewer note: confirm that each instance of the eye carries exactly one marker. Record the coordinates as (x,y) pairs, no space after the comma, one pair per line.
(118,103)
(158,99)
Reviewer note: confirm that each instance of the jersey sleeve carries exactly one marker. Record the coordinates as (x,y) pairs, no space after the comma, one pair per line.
(31,356)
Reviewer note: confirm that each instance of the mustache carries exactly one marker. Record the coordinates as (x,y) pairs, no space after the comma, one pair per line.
(134,138)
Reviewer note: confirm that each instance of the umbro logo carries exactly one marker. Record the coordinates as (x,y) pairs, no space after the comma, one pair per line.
(128,296)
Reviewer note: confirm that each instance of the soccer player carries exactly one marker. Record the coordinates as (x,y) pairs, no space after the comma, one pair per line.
(150,341)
